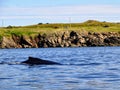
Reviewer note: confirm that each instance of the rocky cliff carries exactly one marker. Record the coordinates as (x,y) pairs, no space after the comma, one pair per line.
(64,39)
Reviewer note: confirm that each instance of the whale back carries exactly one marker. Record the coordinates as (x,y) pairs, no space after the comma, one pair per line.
(38,61)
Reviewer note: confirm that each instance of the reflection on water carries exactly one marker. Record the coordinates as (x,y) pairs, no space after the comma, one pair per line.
(90,68)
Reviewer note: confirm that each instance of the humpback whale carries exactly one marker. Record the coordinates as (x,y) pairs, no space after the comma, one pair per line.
(38,61)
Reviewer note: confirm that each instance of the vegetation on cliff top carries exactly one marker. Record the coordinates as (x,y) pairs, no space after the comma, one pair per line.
(89,26)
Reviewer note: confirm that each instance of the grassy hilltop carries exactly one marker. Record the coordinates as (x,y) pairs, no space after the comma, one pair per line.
(90,26)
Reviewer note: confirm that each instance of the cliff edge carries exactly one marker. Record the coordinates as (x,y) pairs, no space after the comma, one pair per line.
(64,39)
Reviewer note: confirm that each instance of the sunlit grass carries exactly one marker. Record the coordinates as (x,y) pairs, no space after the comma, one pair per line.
(89,26)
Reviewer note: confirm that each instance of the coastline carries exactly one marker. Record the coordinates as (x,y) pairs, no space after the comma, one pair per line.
(64,39)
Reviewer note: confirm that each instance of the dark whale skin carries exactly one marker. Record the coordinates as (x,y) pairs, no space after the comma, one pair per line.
(38,61)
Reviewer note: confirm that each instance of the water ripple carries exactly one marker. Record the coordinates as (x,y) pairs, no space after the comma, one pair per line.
(88,68)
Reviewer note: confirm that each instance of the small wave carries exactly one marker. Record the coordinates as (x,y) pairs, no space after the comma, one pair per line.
(9,63)
(86,64)
(5,78)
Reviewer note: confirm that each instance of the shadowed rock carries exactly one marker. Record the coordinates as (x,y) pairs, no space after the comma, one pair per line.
(37,61)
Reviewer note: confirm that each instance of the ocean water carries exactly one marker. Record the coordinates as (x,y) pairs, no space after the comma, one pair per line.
(85,68)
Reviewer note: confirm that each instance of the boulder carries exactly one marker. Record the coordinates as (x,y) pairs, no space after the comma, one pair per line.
(115,41)
(8,43)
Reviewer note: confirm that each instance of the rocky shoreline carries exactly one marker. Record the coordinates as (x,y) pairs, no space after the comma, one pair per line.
(64,39)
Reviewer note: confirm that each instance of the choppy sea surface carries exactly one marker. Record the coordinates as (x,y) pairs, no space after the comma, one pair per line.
(85,68)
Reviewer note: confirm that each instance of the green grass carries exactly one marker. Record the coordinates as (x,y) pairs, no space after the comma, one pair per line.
(89,26)
(0,38)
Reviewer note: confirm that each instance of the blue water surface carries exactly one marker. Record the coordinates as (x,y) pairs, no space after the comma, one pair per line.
(85,68)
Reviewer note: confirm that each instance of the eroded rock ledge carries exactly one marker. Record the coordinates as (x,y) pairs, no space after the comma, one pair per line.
(65,39)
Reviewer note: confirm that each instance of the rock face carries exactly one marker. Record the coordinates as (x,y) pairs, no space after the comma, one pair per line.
(8,43)
(65,39)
